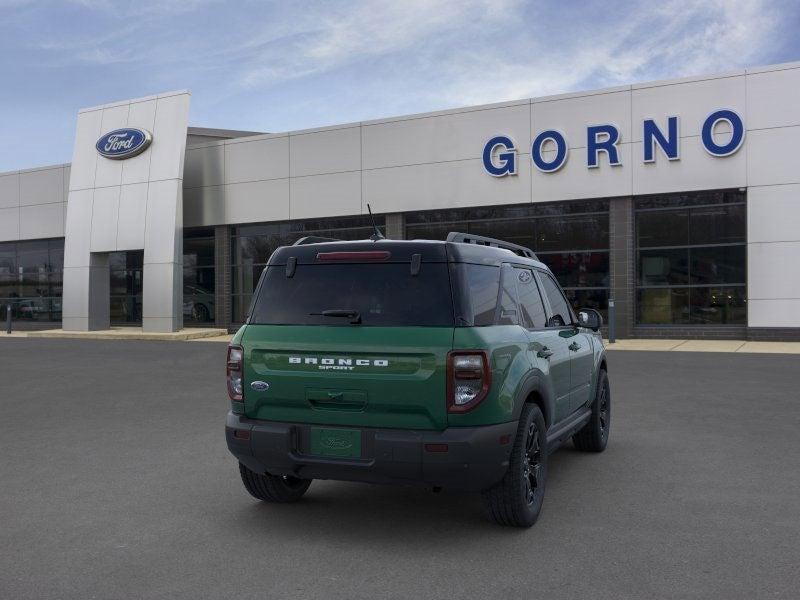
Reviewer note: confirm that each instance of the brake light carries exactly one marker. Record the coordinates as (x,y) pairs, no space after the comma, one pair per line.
(468,379)
(356,256)
(234,372)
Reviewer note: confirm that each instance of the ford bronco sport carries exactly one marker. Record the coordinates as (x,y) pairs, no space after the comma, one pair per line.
(455,364)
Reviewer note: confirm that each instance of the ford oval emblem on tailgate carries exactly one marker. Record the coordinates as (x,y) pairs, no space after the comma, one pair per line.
(260,386)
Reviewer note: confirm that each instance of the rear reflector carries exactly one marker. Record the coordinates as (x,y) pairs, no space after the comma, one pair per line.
(436,448)
(241,434)
(355,256)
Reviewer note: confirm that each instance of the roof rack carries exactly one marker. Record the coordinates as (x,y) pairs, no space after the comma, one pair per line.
(313,239)
(479,240)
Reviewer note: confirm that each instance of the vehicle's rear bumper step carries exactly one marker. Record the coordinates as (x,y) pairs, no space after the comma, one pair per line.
(475,457)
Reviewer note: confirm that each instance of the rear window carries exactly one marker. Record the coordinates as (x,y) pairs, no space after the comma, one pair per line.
(384,295)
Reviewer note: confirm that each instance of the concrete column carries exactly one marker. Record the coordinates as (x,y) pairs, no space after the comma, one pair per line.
(87,303)
(621,263)
(121,205)
(222,276)
(99,292)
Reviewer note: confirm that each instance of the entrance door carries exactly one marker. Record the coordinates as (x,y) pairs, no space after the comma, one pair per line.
(126,287)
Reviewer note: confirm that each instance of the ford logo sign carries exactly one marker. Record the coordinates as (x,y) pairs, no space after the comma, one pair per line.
(260,386)
(123,143)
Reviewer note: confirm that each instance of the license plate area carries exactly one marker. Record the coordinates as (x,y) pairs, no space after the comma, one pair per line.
(335,442)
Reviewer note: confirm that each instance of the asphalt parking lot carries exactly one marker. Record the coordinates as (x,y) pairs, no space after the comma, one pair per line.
(116,483)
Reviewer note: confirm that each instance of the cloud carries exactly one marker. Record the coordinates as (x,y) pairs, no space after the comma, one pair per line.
(667,41)
(325,39)
(275,65)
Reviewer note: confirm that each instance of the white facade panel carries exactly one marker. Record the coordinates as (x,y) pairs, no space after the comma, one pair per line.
(141,115)
(109,172)
(325,195)
(773,213)
(257,160)
(67,171)
(773,156)
(41,221)
(327,151)
(773,313)
(9,190)
(204,206)
(169,137)
(85,157)
(443,138)
(696,170)
(76,293)
(575,180)
(572,115)
(79,213)
(157,300)
(204,166)
(772,270)
(132,212)
(105,217)
(442,185)
(9,224)
(773,99)
(692,101)
(257,201)
(43,186)
(162,235)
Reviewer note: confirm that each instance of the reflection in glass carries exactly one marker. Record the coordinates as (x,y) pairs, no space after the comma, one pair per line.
(687,246)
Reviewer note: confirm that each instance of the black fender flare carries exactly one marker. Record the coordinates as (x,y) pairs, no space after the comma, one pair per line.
(536,382)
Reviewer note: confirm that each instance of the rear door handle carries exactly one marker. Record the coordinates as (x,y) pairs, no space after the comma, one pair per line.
(545,352)
(574,346)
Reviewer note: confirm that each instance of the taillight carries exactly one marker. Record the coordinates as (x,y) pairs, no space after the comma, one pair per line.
(468,379)
(235,370)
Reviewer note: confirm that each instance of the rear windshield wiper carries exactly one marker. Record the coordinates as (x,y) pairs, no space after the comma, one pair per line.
(353,315)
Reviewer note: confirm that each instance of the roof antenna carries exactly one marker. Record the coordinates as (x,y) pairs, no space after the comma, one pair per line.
(377,235)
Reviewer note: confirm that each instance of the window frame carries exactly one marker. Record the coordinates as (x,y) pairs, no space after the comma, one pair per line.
(689,207)
(544,302)
(540,273)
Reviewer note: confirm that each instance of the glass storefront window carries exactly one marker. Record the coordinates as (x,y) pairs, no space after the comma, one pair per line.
(252,245)
(126,287)
(572,238)
(691,259)
(199,277)
(30,279)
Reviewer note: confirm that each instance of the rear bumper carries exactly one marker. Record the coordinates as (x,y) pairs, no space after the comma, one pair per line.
(476,457)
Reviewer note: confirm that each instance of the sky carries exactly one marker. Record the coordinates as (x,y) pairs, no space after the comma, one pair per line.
(284,65)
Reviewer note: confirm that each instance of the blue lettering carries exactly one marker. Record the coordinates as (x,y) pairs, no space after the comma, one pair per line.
(607,143)
(561,151)
(736,140)
(507,158)
(652,135)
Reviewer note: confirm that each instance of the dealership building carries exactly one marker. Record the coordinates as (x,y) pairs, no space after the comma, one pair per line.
(677,200)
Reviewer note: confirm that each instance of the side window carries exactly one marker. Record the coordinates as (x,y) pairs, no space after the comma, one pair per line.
(530,301)
(507,301)
(482,286)
(558,304)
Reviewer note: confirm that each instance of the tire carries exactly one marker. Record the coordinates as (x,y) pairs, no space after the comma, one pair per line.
(594,435)
(517,500)
(272,488)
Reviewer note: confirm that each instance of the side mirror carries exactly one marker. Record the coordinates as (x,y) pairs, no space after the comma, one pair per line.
(590,318)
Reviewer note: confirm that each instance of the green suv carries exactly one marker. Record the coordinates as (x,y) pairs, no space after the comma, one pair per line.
(455,364)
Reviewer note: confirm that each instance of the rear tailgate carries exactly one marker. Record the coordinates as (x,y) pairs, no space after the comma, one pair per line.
(347,375)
